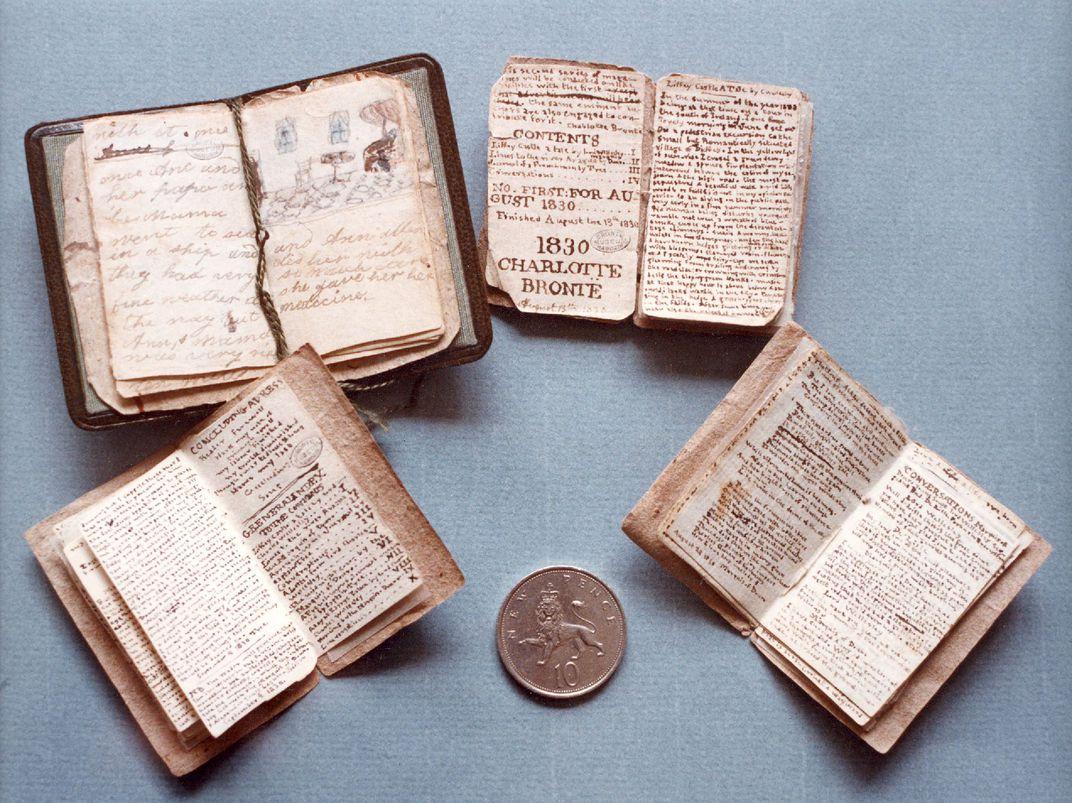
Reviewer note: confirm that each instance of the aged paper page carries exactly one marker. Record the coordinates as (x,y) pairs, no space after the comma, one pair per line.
(215,386)
(725,201)
(350,257)
(80,264)
(395,612)
(565,180)
(432,204)
(902,570)
(176,249)
(302,513)
(100,591)
(214,617)
(784,481)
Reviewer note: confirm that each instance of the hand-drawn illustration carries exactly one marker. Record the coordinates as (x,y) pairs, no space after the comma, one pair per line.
(378,155)
(339,126)
(286,135)
(304,174)
(336,158)
(370,168)
(553,631)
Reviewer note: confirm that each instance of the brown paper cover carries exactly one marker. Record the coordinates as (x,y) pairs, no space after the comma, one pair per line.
(345,431)
(644,521)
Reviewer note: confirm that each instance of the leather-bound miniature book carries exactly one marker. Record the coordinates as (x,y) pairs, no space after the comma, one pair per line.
(678,203)
(187,247)
(861,563)
(216,580)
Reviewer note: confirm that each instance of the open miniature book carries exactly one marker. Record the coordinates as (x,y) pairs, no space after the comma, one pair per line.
(860,562)
(214,580)
(679,202)
(186,232)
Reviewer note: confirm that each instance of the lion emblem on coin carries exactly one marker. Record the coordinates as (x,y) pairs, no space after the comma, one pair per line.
(553,631)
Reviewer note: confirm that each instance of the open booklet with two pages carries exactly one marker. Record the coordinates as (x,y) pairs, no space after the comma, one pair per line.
(172,238)
(215,579)
(679,203)
(862,564)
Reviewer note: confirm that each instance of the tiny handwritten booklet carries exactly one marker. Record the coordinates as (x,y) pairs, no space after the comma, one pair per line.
(679,203)
(186,230)
(214,580)
(861,563)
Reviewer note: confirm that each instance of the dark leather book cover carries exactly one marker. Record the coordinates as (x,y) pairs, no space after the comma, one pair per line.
(45,145)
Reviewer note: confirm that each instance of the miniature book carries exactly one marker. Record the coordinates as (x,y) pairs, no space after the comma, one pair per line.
(678,202)
(213,580)
(195,242)
(862,564)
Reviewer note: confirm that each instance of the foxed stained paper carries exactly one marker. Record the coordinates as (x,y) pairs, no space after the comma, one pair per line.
(243,556)
(711,173)
(725,200)
(565,169)
(81,266)
(905,568)
(349,253)
(176,247)
(109,604)
(852,549)
(161,255)
(302,513)
(789,477)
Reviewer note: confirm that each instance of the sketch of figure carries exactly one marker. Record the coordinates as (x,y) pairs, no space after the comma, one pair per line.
(378,154)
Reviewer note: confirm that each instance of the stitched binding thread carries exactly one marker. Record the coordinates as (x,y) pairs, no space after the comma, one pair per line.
(381,418)
(264,297)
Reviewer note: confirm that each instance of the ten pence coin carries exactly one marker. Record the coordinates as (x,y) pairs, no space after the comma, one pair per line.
(561,632)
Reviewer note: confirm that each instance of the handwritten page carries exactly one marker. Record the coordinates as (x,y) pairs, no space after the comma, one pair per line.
(434,204)
(565,170)
(211,613)
(303,514)
(726,201)
(177,255)
(80,260)
(783,483)
(904,568)
(350,260)
(102,594)
(852,549)
(80,263)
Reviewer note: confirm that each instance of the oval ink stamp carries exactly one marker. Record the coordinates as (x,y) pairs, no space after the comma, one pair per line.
(306,452)
(205,149)
(610,241)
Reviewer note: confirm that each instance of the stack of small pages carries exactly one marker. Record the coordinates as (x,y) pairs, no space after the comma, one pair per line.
(679,203)
(161,247)
(861,563)
(215,579)
(212,581)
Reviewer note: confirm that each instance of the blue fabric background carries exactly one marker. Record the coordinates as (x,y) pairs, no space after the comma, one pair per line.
(936,267)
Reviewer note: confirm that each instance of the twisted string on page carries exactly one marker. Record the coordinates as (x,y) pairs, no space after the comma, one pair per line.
(264,297)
